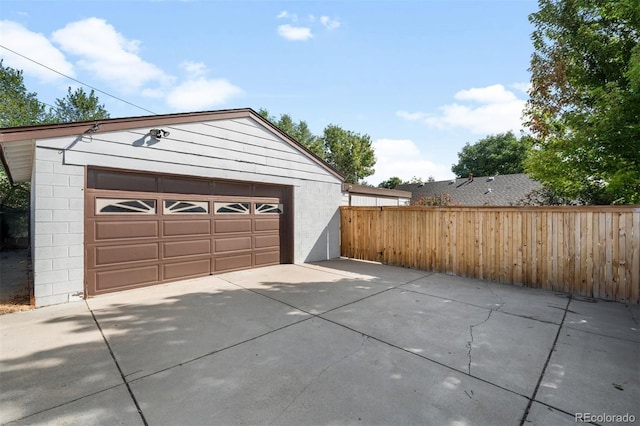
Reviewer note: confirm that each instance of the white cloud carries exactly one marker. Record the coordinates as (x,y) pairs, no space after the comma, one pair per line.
(402,158)
(198,92)
(35,46)
(294,33)
(286,15)
(156,93)
(304,31)
(485,110)
(330,24)
(194,69)
(486,95)
(523,87)
(412,116)
(108,54)
(201,93)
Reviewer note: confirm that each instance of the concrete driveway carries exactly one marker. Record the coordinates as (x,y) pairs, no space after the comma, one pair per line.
(337,342)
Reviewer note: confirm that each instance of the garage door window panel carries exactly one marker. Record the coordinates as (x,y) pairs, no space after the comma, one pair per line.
(125,206)
(268,208)
(231,208)
(177,207)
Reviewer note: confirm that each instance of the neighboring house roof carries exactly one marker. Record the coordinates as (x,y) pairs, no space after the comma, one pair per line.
(501,190)
(370,190)
(17,143)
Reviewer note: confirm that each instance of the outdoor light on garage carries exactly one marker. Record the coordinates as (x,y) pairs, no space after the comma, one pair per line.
(158,133)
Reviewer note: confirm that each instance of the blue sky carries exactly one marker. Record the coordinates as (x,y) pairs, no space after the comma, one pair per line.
(422,78)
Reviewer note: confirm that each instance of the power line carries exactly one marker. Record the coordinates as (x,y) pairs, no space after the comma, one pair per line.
(77,81)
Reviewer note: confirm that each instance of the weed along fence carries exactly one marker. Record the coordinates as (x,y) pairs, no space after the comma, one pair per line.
(587,250)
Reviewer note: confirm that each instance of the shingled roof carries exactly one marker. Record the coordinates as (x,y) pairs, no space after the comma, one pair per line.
(501,190)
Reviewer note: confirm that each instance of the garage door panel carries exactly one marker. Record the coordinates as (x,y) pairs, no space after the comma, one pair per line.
(173,249)
(174,228)
(130,277)
(114,230)
(232,262)
(226,245)
(232,226)
(268,258)
(194,268)
(110,255)
(265,241)
(270,224)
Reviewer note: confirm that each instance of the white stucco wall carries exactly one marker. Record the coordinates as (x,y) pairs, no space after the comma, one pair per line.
(238,149)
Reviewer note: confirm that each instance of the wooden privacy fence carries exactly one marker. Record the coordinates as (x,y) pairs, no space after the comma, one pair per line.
(587,250)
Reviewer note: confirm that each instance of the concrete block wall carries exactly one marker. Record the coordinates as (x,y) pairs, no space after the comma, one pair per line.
(317,221)
(57,229)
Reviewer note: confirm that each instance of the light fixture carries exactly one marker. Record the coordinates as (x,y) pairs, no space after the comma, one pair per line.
(158,133)
(94,128)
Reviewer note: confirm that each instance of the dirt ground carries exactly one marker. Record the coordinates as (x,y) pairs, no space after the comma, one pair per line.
(15,293)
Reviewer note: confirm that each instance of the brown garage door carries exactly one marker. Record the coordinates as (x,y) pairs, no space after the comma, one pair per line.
(137,239)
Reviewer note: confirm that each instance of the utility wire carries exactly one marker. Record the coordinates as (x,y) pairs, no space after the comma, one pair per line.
(77,81)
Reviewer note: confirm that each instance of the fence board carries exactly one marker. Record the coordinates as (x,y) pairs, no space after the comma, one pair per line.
(587,251)
(634,257)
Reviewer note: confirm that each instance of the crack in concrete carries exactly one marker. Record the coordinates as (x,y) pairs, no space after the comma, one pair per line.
(633,317)
(470,342)
(502,302)
(324,370)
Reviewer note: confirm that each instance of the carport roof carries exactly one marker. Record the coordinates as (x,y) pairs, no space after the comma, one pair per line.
(17,143)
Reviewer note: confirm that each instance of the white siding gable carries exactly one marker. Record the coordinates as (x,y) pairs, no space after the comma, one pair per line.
(228,149)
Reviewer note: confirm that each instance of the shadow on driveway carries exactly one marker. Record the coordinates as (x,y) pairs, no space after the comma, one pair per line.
(336,342)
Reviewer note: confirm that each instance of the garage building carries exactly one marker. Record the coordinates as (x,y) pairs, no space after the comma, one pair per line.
(131,202)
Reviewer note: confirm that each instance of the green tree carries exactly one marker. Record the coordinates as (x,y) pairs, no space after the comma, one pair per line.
(584,106)
(15,196)
(441,200)
(390,183)
(414,181)
(18,107)
(299,131)
(544,196)
(499,154)
(77,106)
(349,152)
